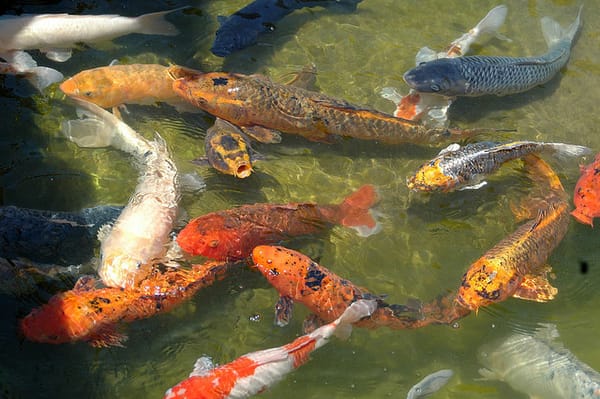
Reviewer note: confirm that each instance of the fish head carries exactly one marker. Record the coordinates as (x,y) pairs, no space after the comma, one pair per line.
(229,40)
(228,152)
(441,77)
(93,87)
(122,270)
(485,283)
(285,269)
(431,177)
(214,236)
(218,93)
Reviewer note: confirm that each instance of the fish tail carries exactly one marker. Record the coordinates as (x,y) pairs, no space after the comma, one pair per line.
(355,211)
(155,24)
(570,150)
(353,313)
(553,33)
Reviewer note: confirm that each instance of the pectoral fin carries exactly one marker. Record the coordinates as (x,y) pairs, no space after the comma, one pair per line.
(262,134)
(536,287)
(58,54)
(283,310)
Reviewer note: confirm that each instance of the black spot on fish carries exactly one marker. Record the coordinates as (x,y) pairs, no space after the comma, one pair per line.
(229,143)
(247,15)
(269,26)
(596,171)
(314,277)
(584,267)
(220,81)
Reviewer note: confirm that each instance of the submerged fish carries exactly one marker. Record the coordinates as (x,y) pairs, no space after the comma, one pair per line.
(255,103)
(482,75)
(255,372)
(430,384)
(91,314)
(19,63)
(587,193)
(516,265)
(232,234)
(466,167)
(538,366)
(56,34)
(433,109)
(60,238)
(140,236)
(242,28)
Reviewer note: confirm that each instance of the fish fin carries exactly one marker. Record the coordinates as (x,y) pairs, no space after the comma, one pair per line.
(493,21)
(85,283)
(155,24)
(201,161)
(390,93)
(353,313)
(355,211)
(262,134)
(425,54)
(104,232)
(306,78)
(42,77)
(451,148)
(570,150)
(107,336)
(283,310)
(90,132)
(476,186)
(311,323)
(582,216)
(553,33)
(488,374)
(191,182)
(57,54)
(536,287)
(202,366)
(547,332)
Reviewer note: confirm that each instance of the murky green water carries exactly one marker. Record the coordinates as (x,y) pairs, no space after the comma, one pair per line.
(426,244)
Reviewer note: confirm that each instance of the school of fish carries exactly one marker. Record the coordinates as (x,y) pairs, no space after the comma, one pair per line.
(146,262)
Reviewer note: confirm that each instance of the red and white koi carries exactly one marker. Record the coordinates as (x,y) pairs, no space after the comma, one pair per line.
(257,371)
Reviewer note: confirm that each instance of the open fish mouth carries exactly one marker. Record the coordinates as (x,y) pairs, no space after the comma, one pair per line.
(243,170)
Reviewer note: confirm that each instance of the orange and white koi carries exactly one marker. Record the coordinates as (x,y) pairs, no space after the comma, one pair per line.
(432,109)
(255,372)
(91,314)
(140,236)
(461,168)
(516,265)
(587,193)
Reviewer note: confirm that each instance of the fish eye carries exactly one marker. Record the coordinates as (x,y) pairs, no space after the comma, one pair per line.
(435,87)
(88,93)
(213,243)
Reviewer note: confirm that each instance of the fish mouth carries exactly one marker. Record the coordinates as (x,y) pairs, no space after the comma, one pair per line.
(243,170)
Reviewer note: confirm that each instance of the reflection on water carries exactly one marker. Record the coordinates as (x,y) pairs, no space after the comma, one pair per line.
(427,241)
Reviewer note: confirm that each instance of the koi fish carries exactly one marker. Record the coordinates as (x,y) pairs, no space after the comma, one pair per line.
(19,63)
(430,384)
(515,266)
(255,372)
(587,193)
(61,238)
(537,365)
(255,103)
(139,237)
(298,278)
(232,234)
(457,167)
(91,314)
(433,109)
(56,34)
(483,75)
(242,28)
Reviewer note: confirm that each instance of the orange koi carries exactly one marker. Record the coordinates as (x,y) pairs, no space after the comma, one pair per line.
(89,314)
(298,278)
(515,266)
(587,193)
(255,372)
(255,103)
(232,234)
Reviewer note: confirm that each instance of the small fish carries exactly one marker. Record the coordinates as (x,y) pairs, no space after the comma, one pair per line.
(19,63)
(60,238)
(255,372)
(537,365)
(483,75)
(232,234)
(56,34)
(433,109)
(462,168)
(516,265)
(140,236)
(255,103)
(586,196)
(91,314)
(242,28)
(430,384)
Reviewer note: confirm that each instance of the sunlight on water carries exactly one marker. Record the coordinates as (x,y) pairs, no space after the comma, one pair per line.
(426,243)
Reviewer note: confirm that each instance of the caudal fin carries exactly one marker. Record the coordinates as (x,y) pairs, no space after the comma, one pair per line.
(355,211)
(353,313)
(570,150)
(155,24)
(553,33)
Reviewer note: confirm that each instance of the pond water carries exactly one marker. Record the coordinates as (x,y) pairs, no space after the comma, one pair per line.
(426,243)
